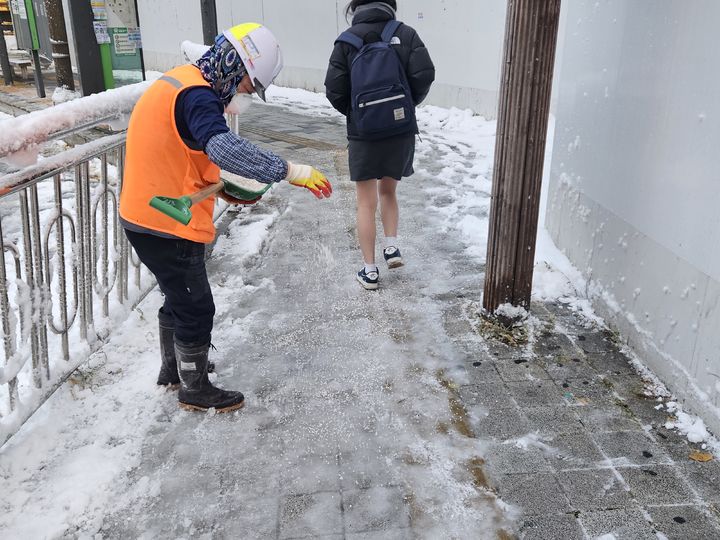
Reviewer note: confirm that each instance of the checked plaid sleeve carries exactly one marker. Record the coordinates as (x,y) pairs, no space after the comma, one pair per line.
(239,156)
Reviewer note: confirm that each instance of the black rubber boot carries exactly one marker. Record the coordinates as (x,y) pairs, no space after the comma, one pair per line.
(196,391)
(168,368)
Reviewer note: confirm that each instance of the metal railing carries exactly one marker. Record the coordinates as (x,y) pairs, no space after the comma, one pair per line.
(67,271)
(65,267)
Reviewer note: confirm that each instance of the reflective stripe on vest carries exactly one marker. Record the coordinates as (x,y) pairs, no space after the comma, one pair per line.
(158,162)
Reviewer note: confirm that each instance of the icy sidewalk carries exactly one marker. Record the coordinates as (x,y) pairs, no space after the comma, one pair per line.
(347,431)
(388,414)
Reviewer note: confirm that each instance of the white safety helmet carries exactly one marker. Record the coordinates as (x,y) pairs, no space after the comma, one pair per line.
(260,53)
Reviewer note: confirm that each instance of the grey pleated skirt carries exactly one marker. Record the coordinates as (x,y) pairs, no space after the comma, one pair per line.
(391,157)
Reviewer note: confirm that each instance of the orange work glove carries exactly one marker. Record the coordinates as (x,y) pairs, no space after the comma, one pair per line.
(309,178)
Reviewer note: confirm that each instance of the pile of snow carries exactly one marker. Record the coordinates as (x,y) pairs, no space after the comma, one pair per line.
(690,426)
(63,94)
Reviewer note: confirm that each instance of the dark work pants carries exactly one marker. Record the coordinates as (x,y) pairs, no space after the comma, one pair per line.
(179,267)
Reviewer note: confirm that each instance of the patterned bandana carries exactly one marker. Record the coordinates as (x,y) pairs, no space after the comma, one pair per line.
(222,67)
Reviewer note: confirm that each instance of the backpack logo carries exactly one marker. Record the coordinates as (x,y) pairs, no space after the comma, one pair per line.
(380,97)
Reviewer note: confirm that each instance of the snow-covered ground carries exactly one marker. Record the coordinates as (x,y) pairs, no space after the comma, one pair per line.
(63,471)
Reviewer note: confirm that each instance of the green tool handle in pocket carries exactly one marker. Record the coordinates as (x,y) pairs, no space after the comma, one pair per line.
(179,209)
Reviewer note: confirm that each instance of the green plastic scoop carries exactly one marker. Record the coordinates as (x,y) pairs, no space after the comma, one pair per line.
(179,209)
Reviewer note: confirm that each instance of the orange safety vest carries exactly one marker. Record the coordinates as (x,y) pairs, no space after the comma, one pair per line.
(158,162)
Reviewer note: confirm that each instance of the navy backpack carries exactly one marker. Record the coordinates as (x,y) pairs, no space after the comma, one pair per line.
(381,102)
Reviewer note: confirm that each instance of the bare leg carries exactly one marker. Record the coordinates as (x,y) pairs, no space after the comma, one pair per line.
(367,201)
(389,211)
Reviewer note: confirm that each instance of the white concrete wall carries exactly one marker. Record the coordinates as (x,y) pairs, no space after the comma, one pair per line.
(635,184)
(464,37)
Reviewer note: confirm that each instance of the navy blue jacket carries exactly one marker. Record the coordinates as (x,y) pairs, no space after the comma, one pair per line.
(414,57)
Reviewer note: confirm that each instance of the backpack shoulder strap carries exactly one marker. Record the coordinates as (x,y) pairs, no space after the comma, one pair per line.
(348,37)
(389,30)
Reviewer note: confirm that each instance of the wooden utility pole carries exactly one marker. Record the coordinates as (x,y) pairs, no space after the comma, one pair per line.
(59,41)
(530,40)
(208,11)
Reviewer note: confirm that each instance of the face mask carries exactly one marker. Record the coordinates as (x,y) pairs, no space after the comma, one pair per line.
(239,104)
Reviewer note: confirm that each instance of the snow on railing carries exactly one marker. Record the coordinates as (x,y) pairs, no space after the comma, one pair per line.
(67,273)
(20,137)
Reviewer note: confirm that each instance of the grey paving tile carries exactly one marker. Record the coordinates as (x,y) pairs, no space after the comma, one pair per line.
(564,314)
(595,341)
(317,537)
(521,369)
(537,493)
(366,469)
(247,517)
(610,362)
(310,515)
(455,322)
(535,393)
(498,423)
(375,509)
(574,451)
(684,522)
(481,370)
(587,392)
(704,478)
(551,527)
(625,384)
(645,409)
(657,484)
(563,367)
(594,489)
(553,420)
(257,482)
(498,349)
(506,458)
(599,419)
(394,534)
(486,395)
(552,344)
(631,448)
(675,445)
(310,473)
(625,524)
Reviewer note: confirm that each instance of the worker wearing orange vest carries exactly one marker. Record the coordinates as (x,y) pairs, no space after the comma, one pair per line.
(177,143)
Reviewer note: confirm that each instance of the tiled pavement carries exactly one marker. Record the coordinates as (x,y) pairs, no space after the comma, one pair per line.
(565,432)
(599,460)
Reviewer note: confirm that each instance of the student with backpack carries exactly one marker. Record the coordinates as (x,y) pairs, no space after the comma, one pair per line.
(379,71)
